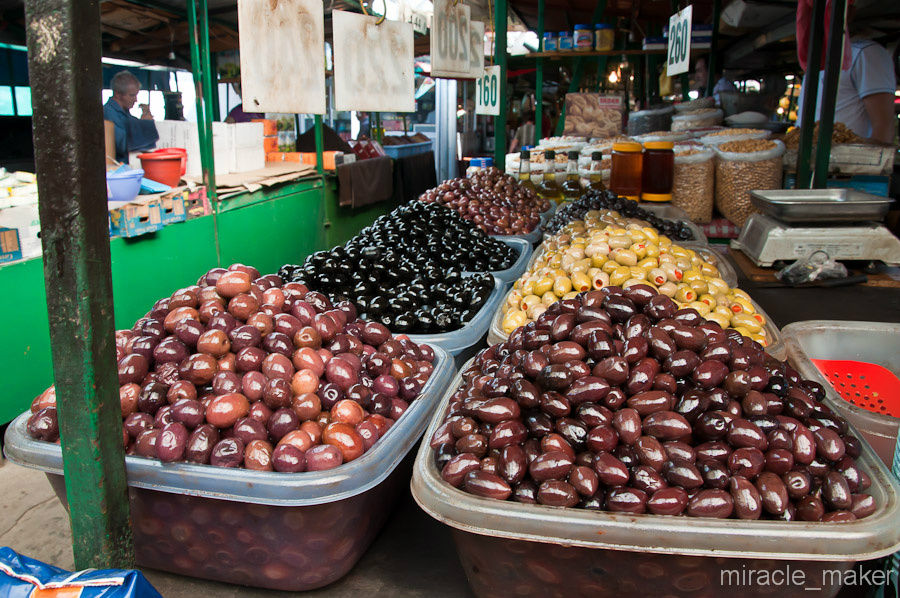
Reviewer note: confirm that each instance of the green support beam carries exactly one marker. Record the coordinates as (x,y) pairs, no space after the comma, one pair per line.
(829,91)
(810,96)
(64,72)
(320,145)
(714,46)
(539,79)
(500,18)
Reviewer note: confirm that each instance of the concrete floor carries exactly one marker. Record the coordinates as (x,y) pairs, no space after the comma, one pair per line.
(413,557)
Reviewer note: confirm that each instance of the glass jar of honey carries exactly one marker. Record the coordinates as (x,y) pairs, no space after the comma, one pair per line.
(658,171)
(625,174)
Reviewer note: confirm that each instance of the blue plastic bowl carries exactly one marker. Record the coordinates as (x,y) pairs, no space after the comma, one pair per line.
(124,185)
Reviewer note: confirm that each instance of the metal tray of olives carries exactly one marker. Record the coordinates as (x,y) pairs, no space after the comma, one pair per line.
(524,249)
(875,536)
(260,487)
(821,205)
(457,341)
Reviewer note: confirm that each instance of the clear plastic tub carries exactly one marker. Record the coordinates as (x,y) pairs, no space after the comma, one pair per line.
(533,237)
(674,213)
(514,549)
(524,249)
(872,342)
(457,341)
(722,264)
(273,530)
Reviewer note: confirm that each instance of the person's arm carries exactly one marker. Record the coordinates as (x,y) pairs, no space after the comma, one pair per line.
(880,109)
(513,145)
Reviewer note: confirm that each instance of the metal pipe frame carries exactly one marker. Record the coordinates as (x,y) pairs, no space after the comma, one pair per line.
(833,59)
(810,96)
(501,14)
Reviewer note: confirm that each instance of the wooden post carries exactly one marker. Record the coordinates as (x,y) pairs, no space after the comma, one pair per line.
(65,77)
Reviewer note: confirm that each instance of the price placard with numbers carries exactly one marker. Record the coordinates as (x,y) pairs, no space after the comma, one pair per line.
(487,92)
(450,40)
(678,52)
(373,64)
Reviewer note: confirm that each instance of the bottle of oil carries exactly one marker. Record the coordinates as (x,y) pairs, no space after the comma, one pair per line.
(571,187)
(550,187)
(595,178)
(525,170)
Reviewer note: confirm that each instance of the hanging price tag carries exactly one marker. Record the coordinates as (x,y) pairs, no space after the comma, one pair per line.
(272,34)
(487,91)
(450,41)
(679,49)
(373,64)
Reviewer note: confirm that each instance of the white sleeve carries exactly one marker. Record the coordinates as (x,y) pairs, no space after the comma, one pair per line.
(872,72)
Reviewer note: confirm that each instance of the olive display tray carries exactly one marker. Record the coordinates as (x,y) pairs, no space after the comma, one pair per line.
(871,342)
(509,548)
(283,531)
(775,348)
(457,341)
(524,249)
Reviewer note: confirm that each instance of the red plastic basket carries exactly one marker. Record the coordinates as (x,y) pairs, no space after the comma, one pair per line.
(866,385)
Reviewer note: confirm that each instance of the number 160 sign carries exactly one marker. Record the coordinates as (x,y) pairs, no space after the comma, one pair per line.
(487,91)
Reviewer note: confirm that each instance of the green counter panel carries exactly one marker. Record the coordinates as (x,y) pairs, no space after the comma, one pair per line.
(264,229)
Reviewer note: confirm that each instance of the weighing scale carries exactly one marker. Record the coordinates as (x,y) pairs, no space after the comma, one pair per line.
(841,222)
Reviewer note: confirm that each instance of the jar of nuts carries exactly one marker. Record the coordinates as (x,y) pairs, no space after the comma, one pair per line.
(694,183)
(742,166)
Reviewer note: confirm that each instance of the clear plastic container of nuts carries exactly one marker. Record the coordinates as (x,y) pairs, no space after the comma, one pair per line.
(694,184)
(742,166)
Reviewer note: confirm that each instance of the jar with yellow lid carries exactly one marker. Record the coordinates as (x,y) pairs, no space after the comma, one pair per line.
(625,173)
(658,171)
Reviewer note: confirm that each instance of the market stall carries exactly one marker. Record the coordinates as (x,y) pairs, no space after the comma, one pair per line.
(535,378)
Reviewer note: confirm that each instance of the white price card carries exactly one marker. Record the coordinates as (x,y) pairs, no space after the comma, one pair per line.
(374,65)
(678,52)
(272,36)
(450,40)
(476,50)
(487,92)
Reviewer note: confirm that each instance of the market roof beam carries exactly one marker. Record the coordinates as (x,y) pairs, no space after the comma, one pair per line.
(780,30)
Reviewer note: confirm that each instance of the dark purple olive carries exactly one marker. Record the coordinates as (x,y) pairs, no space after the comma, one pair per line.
(152,397)
(171,442)
(189,412)
(228,452)
(281,422)
(710,503)
(44,425)
(668,501)
(287,458)
(132,368)
(488,485)
(626,500)
(247,430)
(200,444)
(747,501)
(557,493)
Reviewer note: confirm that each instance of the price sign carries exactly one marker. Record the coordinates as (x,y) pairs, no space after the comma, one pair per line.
(419,22)
(487,91)
(679,48)
(272,34)
(373,64)
(476,51)
(450,41)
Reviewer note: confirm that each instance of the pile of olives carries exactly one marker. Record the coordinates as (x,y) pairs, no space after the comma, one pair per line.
(405,289)
(599,200)
(617,400)
(494,201)
(243,370)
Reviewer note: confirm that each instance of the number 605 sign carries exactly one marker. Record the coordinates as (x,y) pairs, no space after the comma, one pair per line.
(679,50)
(487,92)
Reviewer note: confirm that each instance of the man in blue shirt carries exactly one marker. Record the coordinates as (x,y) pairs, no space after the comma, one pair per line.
(132,134)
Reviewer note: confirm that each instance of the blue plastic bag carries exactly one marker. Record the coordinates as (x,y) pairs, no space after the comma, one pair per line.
(24,577)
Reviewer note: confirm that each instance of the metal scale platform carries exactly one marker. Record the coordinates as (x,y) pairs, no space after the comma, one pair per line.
(794,223)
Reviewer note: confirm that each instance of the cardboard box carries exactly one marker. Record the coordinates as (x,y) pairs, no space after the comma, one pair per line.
(139,217)
(270,144)
(172,208)
(270,126)
(20,233)
(237,147)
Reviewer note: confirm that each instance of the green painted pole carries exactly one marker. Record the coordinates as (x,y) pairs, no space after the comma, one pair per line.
(206,74)
(320,145)
(713,48)
(810,96)
(500,59)
(829,91)
(214,77)
(539,79)
(63,39)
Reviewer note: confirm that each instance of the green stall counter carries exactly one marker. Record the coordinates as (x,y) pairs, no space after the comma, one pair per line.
(265,229)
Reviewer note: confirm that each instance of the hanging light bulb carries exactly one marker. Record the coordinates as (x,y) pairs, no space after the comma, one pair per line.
(614,77)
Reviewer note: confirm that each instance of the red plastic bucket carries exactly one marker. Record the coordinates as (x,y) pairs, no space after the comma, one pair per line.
(164,166)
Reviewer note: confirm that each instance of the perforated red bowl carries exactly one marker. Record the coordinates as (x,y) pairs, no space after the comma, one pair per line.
(866,385)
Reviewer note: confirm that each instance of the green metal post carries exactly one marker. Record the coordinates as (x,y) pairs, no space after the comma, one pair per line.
(810,96)
(539,79)
(206,74)
(500,17)
(713,62)
(320,161)
(829,92)
(64,69)
(214,77)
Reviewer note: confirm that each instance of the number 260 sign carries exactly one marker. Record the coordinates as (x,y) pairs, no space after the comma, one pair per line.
(487,90)
(679,49)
